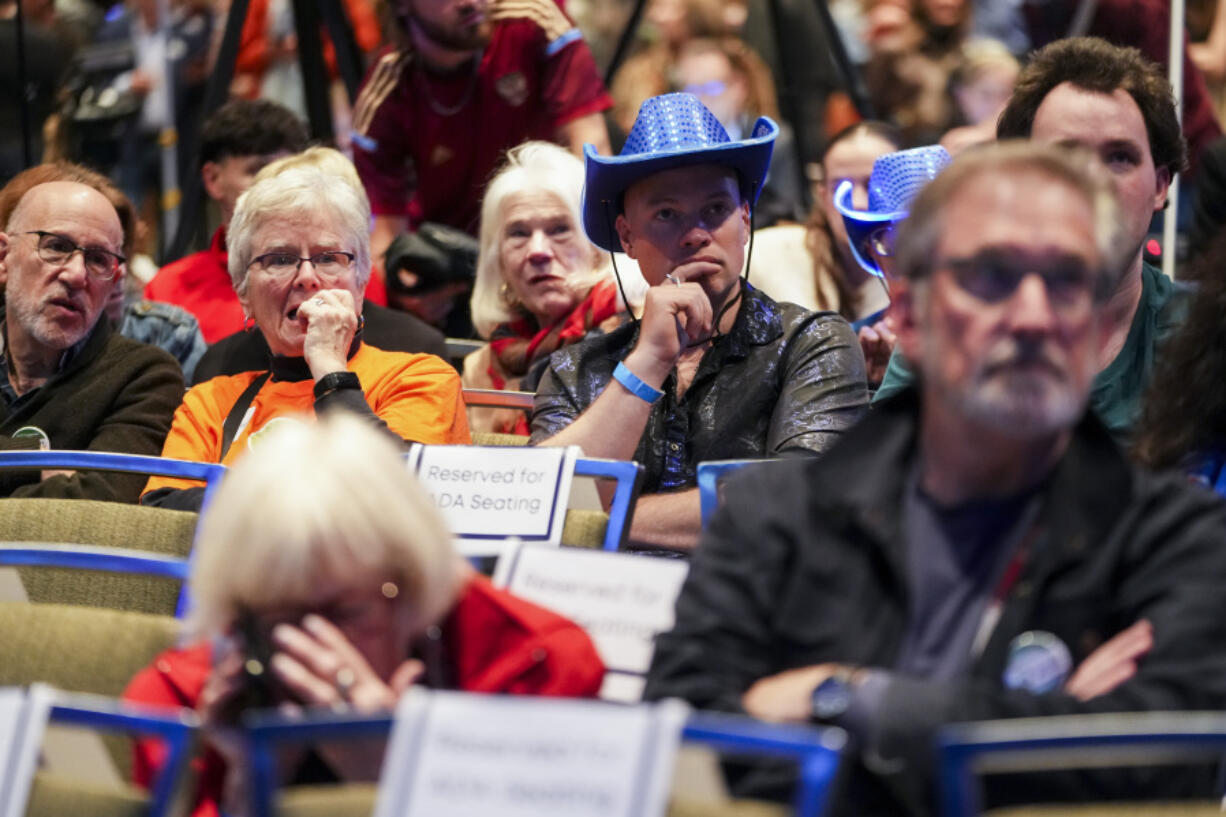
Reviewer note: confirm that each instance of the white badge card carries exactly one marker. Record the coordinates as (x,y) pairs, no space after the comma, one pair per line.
(623,601)
(491,494)
(462,755)
(23,718)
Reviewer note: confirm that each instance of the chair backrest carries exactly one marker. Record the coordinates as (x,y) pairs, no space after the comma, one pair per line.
(499,398)
(57,794)
(967,750)
(499,439)
(209,473)
(106,524)
(709,475)
(460,348)
(816,752)
(80,649)
(628,477)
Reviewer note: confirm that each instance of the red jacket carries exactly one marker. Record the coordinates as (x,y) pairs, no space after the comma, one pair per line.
(497,642)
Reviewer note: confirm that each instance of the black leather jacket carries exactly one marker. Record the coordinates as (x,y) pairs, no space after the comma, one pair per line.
(806,563)
(783,378)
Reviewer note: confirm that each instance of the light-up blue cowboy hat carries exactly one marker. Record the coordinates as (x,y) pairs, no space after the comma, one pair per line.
(895,181)
(672,130)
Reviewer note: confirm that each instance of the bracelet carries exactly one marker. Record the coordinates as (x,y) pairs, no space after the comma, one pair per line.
(336,380)
(562,40)
(635,386)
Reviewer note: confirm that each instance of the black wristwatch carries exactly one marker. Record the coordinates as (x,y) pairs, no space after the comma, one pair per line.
(832,697)
(336,380)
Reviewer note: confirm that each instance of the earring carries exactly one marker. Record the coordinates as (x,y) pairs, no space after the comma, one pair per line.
(248,324)
(505,294)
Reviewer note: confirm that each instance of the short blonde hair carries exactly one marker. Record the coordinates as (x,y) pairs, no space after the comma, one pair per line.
(529,168)
(318,180)
(328,498)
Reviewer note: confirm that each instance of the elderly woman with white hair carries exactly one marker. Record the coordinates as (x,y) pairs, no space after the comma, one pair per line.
(299,258)
(540,284)
(324,560)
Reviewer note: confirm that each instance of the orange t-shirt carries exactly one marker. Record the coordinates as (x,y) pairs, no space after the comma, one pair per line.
(418,396)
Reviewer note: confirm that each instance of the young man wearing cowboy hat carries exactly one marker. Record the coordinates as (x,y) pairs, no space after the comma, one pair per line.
(896,179)
(714,369)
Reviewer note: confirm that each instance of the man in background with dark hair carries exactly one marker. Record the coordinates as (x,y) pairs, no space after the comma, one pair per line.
(237,140)
(1118,105)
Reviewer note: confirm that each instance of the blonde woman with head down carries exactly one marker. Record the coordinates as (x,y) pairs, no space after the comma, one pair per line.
(324,560)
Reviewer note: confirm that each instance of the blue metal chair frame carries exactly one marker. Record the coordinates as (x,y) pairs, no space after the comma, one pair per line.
(816,751)
(629,476)
(1070,741)
(176,728)
(709,475)
(209,473)
(90,557)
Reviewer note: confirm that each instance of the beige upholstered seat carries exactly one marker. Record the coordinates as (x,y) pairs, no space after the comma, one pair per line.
(56,796)
(495,438)
(79,649)
(109,524)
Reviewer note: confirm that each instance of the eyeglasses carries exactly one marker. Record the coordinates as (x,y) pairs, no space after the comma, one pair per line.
(331,264)
(57,249)
(994,276)
(882,240)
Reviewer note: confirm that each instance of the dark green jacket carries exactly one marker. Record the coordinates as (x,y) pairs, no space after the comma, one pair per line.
(115,395)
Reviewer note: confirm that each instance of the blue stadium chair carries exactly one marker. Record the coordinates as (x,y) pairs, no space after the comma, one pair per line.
(209,473)
(709,475)
(817,752)
(175,727)
(1068,742)
(88,557)
(629,477)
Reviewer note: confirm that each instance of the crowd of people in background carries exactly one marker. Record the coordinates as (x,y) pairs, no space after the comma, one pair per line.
(937,302)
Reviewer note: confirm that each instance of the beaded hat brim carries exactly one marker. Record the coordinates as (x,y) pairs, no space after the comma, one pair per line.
(896,179)
(608,177)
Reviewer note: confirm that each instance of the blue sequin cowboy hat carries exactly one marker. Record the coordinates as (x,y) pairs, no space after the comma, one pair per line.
(895,181)
(672,130)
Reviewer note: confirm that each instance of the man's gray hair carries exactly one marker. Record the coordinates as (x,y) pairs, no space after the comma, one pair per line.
(919,235)
(300,190)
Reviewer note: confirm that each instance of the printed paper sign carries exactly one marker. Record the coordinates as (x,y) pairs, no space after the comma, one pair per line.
(462,755)
(493,494)
(623,601)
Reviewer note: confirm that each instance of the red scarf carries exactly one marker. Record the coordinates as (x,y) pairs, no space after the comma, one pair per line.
(520,343)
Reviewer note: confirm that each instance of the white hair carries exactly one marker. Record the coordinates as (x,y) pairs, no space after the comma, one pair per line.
(307,185)
(530,167)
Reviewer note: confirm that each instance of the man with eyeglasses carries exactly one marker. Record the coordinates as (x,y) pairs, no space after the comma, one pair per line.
(979,547)
(70,381)
(1116,103)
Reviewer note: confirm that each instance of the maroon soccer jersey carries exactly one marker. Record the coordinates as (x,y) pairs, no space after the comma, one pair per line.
(426,144)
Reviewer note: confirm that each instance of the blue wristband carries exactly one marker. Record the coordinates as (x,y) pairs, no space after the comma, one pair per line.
(635,386)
